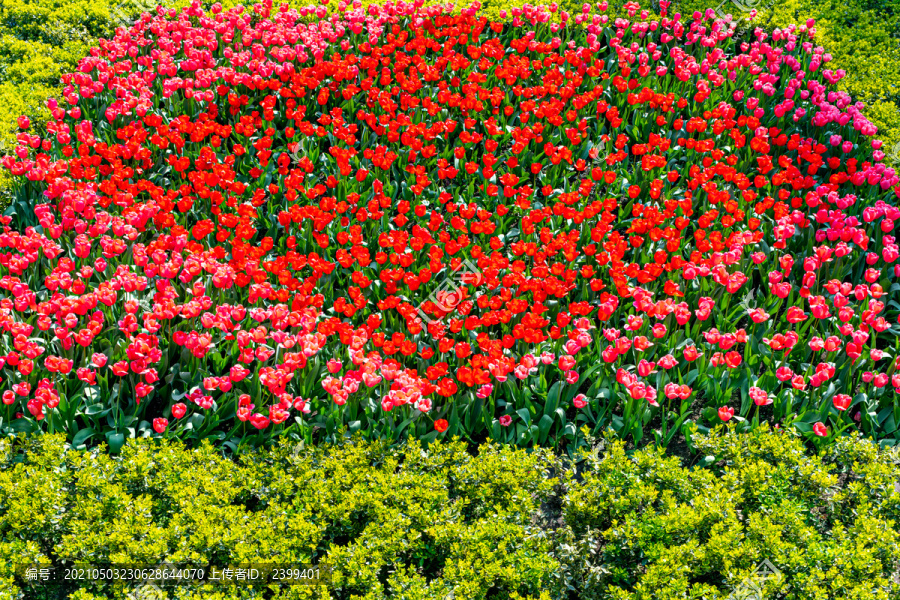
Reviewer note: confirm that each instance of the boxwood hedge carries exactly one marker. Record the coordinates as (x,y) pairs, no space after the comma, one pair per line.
(439,522)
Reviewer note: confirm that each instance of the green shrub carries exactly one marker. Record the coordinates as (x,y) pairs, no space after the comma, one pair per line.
(417,523)
(393,523)
(641,526)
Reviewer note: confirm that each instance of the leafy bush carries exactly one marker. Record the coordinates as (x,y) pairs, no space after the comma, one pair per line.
(436,522)
(642,526)
(392,523)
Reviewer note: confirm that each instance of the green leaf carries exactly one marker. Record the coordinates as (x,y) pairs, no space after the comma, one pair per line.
(526,416)
(194,421)
(544,426)
(562,415)
(81,437)
(473,414)
(553,398)
(116,441)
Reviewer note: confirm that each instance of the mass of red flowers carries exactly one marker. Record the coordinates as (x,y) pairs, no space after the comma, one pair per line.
(405,220)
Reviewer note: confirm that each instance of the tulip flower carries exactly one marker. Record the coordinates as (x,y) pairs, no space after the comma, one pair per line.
(251,259)
(841,401)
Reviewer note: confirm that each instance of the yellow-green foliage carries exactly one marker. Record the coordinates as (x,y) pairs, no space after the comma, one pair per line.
(828,523)
(393,523)
(413,523)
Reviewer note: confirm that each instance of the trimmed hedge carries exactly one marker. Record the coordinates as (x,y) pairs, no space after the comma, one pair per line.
(405,523)
(642,526)
(439,523)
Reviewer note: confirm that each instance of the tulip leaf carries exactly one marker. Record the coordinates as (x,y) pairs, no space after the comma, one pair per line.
(525,414)
(544,426)
(81,437)
(115,441)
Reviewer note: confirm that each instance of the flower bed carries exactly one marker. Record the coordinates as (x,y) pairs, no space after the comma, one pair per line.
(403,221)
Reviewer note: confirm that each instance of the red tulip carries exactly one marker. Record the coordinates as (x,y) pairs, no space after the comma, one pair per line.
(841,401)
(259,421)
(425,292)
(760,397)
